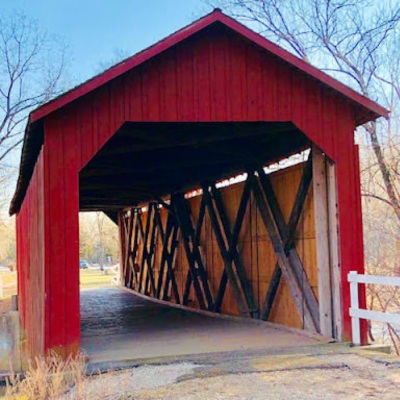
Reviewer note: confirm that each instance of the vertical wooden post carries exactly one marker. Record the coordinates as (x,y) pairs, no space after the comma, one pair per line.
(122,244)
(336,281)
(354,304)
(322,241)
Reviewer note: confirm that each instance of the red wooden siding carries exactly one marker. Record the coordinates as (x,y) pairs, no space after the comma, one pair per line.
(31,263)
(366,108)
(215,75)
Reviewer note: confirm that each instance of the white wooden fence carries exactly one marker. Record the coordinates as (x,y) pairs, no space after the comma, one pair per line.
(356,313)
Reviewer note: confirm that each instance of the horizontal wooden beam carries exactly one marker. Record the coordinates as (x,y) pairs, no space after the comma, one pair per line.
(104,171)
(139,137)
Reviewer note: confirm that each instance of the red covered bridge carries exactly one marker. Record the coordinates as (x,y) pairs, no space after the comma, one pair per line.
(209,102)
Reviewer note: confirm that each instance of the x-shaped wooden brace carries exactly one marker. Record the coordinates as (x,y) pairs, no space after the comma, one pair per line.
(282,239)
(170,244)
(197,275)
(149,241)
(127,221)
(131,226)
(237,277)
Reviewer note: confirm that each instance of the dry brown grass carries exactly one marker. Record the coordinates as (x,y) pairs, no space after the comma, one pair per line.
(49,378)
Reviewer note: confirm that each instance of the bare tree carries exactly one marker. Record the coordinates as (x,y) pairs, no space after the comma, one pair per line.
(100,231)
(31,67)
(118,56)
(346,38)
(98,237)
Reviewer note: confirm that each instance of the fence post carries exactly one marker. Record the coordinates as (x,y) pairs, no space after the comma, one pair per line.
(355,321)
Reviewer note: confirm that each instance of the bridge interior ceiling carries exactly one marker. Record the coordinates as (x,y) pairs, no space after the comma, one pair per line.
(147,161)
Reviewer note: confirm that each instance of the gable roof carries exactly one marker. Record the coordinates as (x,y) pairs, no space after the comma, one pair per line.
(366,109)
(372,109)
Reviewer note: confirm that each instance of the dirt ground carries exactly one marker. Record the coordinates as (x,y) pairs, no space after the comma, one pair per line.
(339,374)
(286,385)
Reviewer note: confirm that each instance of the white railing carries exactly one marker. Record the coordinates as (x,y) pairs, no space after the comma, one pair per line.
(356,313)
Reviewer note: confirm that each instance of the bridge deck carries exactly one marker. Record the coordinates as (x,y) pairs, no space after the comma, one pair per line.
(120,326)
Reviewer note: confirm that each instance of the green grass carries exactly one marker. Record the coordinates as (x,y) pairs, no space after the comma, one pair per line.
(8,277)
(91,279)
(9,280)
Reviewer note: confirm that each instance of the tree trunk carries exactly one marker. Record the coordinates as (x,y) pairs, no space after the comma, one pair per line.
(387,177)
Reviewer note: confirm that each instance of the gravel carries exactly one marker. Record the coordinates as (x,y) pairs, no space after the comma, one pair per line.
(333,376)
(125,384)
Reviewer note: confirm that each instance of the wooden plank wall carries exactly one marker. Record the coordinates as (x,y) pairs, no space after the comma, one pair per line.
(254,248)
(30,263)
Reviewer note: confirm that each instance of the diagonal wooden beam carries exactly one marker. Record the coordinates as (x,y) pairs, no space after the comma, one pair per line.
(141,231)
(150,285)
(129,256)
(294,285)
(129,223)
(197,271)
(137,238)
(271,293)
(189,278)
(287,232)
(146,276)
(146,230)
(231,238)
(128,226)
(165,252)
(125,248)
(201,270)
(135,247)
(235,279)
(300,199)
(166,272)
(158,222)
(235,234)
(171,259)
(123,244)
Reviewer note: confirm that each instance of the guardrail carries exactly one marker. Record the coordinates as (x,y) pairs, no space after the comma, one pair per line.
(356,313)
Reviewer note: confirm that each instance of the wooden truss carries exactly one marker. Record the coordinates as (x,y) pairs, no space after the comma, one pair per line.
(139,252)
(142,238)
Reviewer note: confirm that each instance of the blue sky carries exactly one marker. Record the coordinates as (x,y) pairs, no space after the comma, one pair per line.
(96,29)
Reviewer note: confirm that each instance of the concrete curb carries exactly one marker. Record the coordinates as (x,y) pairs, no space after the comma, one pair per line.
(216,358)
